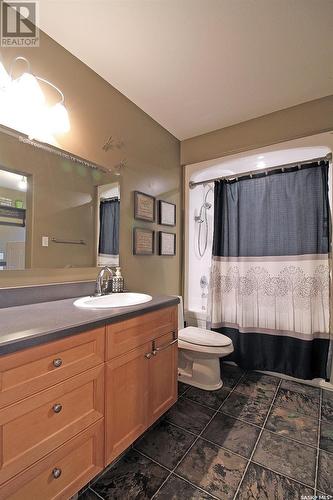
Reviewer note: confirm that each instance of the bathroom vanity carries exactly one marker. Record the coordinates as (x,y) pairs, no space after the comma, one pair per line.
(78,388)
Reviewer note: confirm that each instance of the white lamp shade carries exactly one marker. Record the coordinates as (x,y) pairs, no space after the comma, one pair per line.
(23,107)
(58,119)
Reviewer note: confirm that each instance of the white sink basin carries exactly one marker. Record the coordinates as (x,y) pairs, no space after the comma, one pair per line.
(112,300)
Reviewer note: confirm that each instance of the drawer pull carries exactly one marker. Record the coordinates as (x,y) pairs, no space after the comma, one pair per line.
(57,362)
(57,408)
(56,473)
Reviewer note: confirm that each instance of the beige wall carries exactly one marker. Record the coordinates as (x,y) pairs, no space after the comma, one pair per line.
(303,120)
(98,111)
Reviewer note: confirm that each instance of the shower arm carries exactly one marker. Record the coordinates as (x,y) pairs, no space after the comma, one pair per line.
(298,164)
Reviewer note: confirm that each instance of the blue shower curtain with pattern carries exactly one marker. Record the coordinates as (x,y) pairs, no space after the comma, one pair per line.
(270,280)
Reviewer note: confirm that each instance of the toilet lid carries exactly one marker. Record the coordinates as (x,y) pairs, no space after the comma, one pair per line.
(199,336)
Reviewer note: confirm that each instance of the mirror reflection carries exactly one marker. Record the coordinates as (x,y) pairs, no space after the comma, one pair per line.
(13,189)
(57,213)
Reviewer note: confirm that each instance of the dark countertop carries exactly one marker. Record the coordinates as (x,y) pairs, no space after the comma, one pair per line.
(25,326)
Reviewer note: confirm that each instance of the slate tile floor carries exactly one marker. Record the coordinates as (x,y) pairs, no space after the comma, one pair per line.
(257,438)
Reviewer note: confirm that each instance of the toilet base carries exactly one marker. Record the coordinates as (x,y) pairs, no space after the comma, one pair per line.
(201,373)
(205,387)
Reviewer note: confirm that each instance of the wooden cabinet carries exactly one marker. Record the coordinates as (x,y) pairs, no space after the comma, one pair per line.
(70,407)
(141,384)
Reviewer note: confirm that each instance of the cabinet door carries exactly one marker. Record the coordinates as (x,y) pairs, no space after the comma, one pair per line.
(126,409)
(163,375)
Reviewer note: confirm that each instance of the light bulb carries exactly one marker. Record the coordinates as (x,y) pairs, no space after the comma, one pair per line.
(28,91)
(58,119)
(26,102)
(23,107)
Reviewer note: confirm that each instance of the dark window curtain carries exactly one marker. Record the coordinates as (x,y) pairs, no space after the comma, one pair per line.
(269,287)
(109,227)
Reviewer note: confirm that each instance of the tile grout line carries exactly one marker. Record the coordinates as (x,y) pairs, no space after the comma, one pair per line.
(249,460)
(248,422)
(172,472)
(195,486)
(152,459)
(97,494)
(318,441)
(194,442)
(314,447)
(221,410)
(281,474)
(258,438)
(235,453)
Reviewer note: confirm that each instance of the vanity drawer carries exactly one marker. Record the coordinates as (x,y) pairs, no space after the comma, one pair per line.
(37,425)
(78,461)
(26,372)
(126,335)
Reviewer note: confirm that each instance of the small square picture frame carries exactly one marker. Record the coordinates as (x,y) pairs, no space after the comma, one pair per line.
(166,243)
(144,206)
(166,213)
(143,241)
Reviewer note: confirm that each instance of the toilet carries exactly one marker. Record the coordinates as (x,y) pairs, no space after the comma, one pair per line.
(199,354)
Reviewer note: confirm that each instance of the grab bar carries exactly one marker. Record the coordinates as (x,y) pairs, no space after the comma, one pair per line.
(69,242)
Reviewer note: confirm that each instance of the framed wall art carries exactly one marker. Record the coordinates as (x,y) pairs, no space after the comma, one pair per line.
(166,243)
(144,207)
(166,213)
(143,241)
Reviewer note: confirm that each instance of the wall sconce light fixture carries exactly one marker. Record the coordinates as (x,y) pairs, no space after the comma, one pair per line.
(23,105)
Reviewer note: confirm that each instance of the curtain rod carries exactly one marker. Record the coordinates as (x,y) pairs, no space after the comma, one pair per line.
(328,157)
(112,198)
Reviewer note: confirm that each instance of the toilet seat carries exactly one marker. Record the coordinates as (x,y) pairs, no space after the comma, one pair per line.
(204,338)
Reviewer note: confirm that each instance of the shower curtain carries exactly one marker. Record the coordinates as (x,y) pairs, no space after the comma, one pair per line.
(109,227)
(269,287)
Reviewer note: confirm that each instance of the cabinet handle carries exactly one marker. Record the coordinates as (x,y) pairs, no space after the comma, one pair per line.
(148,355)
(57,408)
(156,350)
(56,473)
(57,362)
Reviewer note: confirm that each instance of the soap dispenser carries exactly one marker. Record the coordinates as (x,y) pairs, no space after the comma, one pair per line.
(117,281)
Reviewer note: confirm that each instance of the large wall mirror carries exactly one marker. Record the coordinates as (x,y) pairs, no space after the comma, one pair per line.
(56,211)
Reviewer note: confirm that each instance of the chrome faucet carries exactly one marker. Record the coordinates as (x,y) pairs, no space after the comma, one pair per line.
(99,281)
